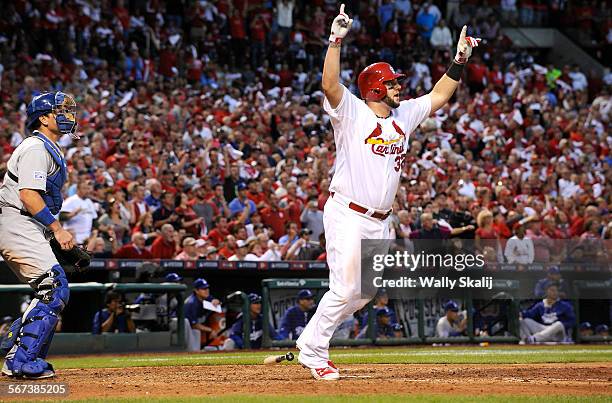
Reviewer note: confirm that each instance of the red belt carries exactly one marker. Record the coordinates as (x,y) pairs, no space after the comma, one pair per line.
(363,210)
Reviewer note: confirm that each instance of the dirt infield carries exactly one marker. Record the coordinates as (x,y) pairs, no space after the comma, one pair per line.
(467,379)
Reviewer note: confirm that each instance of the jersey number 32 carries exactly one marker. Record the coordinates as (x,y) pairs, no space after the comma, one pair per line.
(400,162)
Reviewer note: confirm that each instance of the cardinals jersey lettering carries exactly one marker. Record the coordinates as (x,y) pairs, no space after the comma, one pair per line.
(371,151)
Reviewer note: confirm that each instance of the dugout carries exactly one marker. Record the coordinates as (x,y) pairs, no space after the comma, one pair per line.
(278,294)
(81,342)
(587,308)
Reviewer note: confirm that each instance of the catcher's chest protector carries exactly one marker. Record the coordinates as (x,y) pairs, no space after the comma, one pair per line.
(53,196)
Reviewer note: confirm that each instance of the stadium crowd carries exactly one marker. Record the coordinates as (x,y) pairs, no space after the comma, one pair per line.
(203,136)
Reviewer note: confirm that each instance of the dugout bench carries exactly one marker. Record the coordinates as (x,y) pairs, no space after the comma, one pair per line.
(504,290)
(80,343)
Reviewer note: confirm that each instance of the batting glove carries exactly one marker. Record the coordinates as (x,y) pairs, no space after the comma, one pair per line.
(464,47)
(340,27)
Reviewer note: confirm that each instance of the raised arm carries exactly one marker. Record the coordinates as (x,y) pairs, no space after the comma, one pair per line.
(330,82)
(446,86)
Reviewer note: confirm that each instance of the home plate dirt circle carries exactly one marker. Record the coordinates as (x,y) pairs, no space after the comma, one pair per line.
(576,379)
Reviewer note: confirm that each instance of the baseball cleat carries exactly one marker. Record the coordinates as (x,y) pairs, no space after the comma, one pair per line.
(332,366)
(5,370)
(47,372)
(328,373)
(325,374)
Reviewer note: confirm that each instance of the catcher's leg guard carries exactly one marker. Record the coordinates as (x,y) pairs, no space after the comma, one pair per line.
(38,326)
(11,337)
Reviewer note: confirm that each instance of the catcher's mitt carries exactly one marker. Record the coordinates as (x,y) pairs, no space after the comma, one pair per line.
(76,258)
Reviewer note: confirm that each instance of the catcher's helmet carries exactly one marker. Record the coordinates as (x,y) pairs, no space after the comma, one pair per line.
(371,80)
(62,105)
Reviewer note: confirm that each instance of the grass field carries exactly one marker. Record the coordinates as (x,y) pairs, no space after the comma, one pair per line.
(389,374)
(397,355)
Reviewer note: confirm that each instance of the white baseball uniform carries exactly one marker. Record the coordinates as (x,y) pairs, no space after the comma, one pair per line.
(23,244)
(370,157)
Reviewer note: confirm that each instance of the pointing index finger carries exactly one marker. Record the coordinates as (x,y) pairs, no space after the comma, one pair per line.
(342,8)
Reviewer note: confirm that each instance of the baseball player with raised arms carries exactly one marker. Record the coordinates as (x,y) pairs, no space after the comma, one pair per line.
(371,136)
(30,199)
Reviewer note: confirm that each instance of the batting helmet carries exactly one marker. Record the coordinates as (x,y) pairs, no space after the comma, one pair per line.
(371,80)
(62,105)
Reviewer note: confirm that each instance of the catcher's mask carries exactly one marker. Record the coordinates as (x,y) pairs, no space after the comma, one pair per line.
(61,105)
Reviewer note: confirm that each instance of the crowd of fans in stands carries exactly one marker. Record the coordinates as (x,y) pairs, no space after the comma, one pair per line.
(203,134)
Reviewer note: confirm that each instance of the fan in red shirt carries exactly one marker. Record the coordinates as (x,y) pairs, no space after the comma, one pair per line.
(238,34)
(167,181)
(165,246)
(256,194)
(477,73)
(258,29)
(286,76)
(295,205)
(496,77)
(134,250)
(167,61)
(122,14)
(275,217)
(230,247)
(190,221)
(221,231)
(437,68)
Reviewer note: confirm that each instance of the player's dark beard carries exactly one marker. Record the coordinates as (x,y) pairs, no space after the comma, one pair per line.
(390,102)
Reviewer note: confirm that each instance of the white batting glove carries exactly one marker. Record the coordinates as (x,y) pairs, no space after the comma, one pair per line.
(340,27)
(464,47)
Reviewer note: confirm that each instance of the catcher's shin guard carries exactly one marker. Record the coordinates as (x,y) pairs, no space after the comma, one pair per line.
(11,338)
(38,326)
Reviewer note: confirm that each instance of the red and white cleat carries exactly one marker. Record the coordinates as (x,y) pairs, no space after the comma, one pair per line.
(325,374)
(328,373)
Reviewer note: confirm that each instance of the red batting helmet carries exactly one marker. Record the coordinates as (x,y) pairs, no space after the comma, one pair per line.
(371,80)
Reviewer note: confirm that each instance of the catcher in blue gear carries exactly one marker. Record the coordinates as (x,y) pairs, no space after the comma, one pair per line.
(30,199)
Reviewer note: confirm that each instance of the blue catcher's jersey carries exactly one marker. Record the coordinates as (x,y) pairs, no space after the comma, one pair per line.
(293,323)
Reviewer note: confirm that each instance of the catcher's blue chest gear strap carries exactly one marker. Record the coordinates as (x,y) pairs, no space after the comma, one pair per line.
(53,195)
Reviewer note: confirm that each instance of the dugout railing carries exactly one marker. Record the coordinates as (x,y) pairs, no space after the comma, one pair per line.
(245,307)
(504,290)
(76,343)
